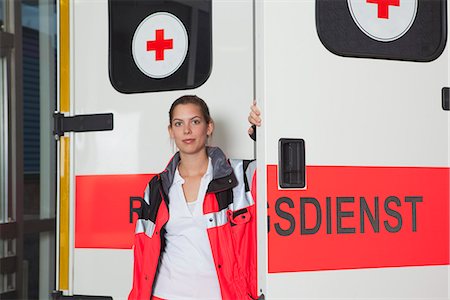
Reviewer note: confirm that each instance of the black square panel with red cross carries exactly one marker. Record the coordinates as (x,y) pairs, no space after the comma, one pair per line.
(159,45)
(413,30)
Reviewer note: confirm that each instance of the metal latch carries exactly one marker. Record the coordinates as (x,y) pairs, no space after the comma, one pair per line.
(446,98)
(81,123)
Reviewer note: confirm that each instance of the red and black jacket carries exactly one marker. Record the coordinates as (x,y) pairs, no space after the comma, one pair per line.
(231,213)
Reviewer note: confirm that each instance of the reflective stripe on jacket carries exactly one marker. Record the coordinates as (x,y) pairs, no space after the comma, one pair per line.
(231,213)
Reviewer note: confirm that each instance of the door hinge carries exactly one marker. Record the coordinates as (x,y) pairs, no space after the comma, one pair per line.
(81,123)
(58,295)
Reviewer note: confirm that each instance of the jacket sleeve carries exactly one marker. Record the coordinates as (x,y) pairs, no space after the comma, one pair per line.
(140,288)
(253,278)
(243,220)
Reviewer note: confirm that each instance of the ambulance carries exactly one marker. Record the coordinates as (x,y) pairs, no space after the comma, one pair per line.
(353,152)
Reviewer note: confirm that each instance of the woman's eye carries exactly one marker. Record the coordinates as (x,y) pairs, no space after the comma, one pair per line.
(177,124)
(196,122)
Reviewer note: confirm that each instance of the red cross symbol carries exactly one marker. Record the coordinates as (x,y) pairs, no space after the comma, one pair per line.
(159,45)
(383,7)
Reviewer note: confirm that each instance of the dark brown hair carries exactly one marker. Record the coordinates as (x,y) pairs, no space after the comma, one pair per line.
(191,99)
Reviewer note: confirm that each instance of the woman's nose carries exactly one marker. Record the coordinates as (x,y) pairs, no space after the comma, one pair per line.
(187,129)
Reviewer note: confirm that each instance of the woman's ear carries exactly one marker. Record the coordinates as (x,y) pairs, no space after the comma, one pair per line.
(169,129)
(210,129)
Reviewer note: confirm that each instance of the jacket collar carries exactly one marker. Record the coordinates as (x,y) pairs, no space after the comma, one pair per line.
(223,177)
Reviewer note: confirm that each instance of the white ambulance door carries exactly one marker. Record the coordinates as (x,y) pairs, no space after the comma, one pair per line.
(132,59)
(358,85)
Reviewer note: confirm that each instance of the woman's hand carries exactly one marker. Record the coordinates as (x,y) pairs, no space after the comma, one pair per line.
(254,117)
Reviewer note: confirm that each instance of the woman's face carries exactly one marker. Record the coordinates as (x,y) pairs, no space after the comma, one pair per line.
(189,128)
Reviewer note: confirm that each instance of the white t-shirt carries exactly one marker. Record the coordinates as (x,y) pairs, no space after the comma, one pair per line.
(187,268)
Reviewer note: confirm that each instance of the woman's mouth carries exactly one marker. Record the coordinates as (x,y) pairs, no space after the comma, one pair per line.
(188,141)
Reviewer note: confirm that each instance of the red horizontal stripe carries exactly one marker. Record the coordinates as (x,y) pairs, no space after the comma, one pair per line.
(102,210)
(327,249)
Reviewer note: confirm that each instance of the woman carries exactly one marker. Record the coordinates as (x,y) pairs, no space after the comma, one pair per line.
(196,234)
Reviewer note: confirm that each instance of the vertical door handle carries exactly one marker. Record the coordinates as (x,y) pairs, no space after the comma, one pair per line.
(291,163)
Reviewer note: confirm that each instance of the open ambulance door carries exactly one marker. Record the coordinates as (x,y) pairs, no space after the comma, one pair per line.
(353,154)
(122,63)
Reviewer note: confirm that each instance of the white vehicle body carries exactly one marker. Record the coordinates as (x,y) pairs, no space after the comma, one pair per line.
(374,131)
